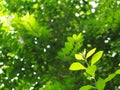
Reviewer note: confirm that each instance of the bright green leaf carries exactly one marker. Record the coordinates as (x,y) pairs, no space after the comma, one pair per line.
(90,52)
(91,70)
(76,66)
(1,71)
(110,77)
(88,45)
(35,6)
(84,52)
(79,36)
(119,64)
(118,71)
(74,36)
(70,39)
(79,57)
(100,84)
(2,86)
(96,57)
(86,87)
(5,67)
(68,45)
(11,54)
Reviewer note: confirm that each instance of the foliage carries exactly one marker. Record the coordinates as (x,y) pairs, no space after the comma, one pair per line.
(73,44)
(39,39)
(90,69)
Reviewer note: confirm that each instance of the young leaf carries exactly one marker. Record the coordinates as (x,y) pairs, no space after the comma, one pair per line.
(70,39)
(91,70)
(79,57)
(1,71)
(76,66)
(68,45)
(79,36)
(90,52)
(119,64)
(5,67)
(84,52)
(86,87)
(110,77)
(100,84)
(96,57)
(118,71)
(74,36)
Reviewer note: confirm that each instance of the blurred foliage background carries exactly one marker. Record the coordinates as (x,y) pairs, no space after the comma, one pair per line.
(37,42)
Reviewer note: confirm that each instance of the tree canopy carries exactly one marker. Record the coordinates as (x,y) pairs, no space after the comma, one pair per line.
(39,40)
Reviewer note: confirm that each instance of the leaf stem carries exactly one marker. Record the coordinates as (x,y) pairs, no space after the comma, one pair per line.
(86,62)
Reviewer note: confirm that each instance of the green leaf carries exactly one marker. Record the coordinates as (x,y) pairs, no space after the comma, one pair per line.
(5,67)
(96,57)
(68,45)
(79,36)
(91,70)
(100,84)
(90,52)
(35,5)
(74,36)
(2,86)
(70,39)
(86,87)
(1,71)
(118,71)
(79,57)
(11,54)
(76,66)
(119,64)
(110,77)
